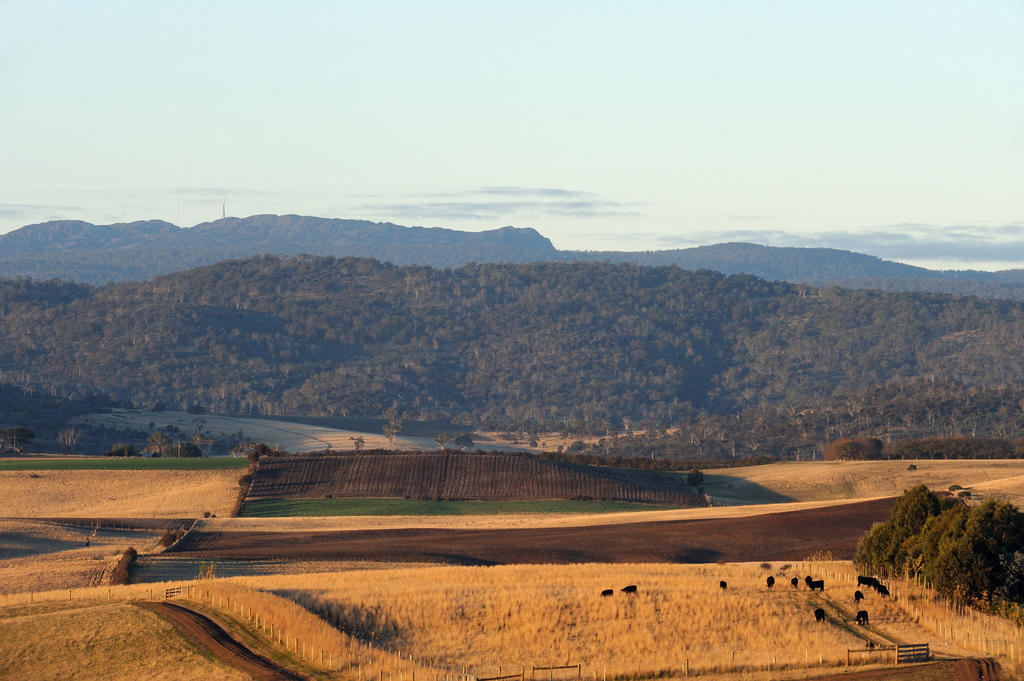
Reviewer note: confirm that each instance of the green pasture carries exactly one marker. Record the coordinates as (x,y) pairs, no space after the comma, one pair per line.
(281,508)
(119,464)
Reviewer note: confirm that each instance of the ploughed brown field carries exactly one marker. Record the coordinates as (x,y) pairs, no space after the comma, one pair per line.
(773,536)
(449,476)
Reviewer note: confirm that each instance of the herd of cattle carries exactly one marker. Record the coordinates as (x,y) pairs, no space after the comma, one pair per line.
(812,584)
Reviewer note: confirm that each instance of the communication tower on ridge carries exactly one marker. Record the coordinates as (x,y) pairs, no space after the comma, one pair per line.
(223,208)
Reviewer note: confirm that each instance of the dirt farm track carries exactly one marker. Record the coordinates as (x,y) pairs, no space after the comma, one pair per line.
(210,636)
(791,535)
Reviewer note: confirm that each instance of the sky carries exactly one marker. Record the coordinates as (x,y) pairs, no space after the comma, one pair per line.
(893,128)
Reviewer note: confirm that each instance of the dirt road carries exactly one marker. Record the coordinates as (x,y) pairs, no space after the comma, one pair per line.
(210,636)
(943,670)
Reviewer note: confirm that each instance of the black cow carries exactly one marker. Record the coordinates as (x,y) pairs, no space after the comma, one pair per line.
(862,617)
(795,582)
(631,589)
(882,590)
(819,615)
(866,581)
(870,645)
(607,592)
(816,585)
(771,582)
(807,581)
(723,585)
(857,596)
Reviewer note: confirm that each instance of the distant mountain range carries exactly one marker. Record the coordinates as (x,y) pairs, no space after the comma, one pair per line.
(97,254)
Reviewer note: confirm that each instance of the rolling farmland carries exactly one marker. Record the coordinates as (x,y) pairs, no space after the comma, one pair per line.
(771,536)
(452,476)
(99,641)
(152,493)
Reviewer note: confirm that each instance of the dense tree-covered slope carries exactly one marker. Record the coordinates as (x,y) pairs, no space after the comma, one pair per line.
(79,251)
(493,344)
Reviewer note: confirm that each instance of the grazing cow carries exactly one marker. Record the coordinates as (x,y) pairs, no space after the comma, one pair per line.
(723,585)
(819,615)
(862,617)
(771,582)
(795,582)
(857,596)
(866,581)
(631,589)
(607,592)
(816,585)
(882,590)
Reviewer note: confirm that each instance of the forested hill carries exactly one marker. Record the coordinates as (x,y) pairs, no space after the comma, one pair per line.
(137,251)
(80,251)
(491,344)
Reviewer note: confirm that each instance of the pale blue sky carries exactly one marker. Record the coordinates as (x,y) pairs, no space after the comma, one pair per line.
(892,128)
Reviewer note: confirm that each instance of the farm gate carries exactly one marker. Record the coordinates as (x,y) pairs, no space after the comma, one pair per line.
(550,670)
(917,652)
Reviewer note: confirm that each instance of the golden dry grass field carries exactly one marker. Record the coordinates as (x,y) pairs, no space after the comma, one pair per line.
(38,556)
(288,435)
(99,641)
(486,620)
(117,493)
(291,437)
(515,616)
(823,480)
(445,621)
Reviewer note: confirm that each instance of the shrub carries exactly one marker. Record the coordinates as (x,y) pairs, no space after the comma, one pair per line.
(169,537)
(244,483)
(121,449)
(694,478)
(952,448)
(120,573)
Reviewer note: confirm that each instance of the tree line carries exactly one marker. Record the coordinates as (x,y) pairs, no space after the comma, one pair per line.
(872,448)
(970,555)
(705,365)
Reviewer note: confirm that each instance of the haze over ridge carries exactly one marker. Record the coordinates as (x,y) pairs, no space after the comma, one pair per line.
(81,251)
